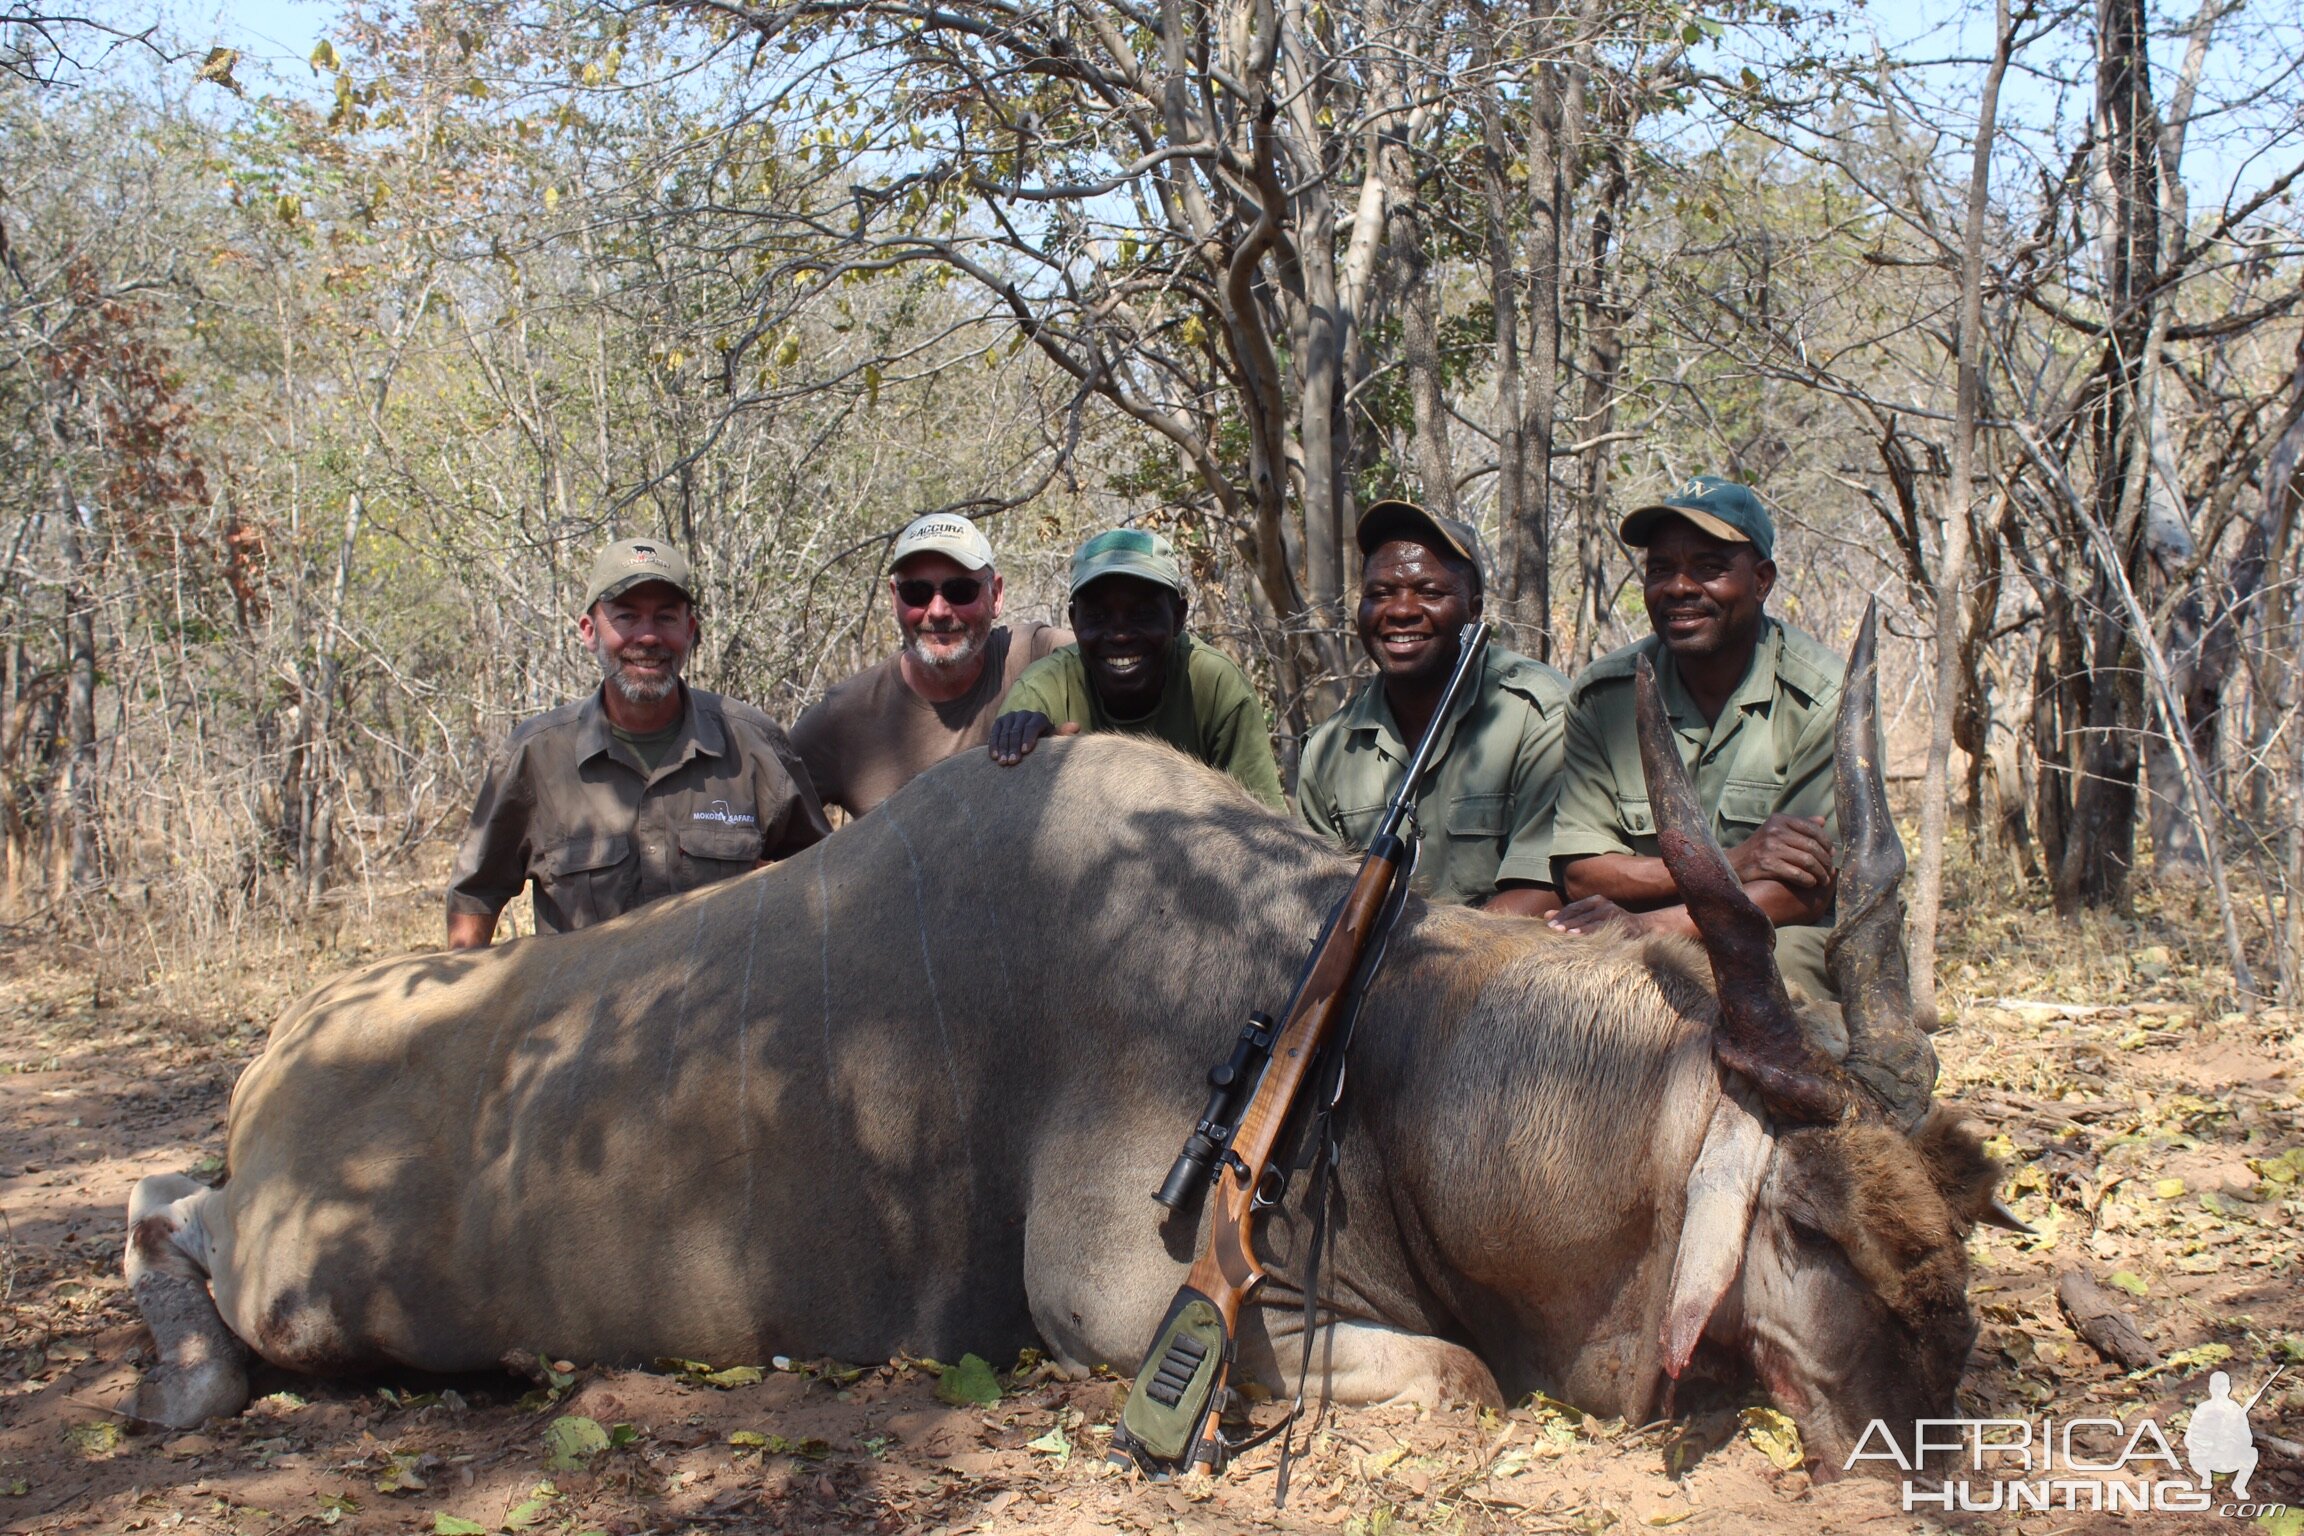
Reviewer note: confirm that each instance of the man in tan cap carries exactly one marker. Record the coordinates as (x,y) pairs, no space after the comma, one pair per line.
(871,734)
(1134,669)
(645,787)
(1486,806)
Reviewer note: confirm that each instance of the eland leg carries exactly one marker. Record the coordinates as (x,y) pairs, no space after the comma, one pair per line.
(201,1372)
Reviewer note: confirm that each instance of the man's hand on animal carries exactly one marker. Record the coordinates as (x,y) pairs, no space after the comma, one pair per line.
(1592,914)
(1015,733)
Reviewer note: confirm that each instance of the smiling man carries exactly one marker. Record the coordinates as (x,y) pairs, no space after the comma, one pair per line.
(645,787)
(1134,669)
(1752,701)
(873,733)
(1486,810)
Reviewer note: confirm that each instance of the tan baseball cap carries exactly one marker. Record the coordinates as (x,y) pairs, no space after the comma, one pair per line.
(943,533)
(628,563)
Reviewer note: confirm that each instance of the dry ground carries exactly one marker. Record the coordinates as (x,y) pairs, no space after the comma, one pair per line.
(2152,1134)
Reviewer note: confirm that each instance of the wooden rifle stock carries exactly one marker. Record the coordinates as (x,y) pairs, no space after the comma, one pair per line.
(1226,1271)
(1185,1372)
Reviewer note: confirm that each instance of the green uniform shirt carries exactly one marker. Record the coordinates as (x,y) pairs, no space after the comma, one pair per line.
(1769,752)
(1486,814)
(1208,709)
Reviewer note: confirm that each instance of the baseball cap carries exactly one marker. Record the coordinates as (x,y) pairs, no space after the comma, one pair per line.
(1722,508)
(943,533)
(1389,520)
(1128,552)
(627,563)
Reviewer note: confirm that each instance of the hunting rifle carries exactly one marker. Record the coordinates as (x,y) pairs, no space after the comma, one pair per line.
(1289,1073)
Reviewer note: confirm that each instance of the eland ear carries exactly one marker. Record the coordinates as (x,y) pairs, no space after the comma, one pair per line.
(1722,1189)
(1967,1176)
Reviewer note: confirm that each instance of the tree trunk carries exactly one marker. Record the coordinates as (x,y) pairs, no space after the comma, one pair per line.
(1513,470)
(1952,563)
(320,782)
(2101,852)
(78,871)
(1552,150)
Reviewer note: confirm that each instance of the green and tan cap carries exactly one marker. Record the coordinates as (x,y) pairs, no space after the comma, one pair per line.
(1722,508)
(628,563)
(1128,552)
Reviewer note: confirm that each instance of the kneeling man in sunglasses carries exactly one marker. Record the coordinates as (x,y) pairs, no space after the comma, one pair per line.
(1134,669)
(869,736)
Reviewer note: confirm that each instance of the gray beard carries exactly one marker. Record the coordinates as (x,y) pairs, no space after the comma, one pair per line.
(954,661)
(632,688)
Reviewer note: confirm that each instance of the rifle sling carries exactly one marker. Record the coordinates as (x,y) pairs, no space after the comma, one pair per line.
(1328,1096)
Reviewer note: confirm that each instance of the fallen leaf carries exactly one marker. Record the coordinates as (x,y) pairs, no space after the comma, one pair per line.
(1776,1436)
(2127,1280)
(96,1439)
(571,1441)
(1054,1443)
(971,1381)
(400,1475)
(456,1525)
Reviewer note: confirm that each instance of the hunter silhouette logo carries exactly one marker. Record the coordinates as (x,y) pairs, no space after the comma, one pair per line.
(2219,1439)
(2097,1464)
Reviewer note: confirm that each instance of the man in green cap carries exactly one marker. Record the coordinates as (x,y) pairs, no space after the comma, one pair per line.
(645,787)
(1134,669)
(1486,808)
(1752,701)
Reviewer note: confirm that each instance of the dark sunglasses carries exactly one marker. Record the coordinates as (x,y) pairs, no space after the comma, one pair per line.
(959,591)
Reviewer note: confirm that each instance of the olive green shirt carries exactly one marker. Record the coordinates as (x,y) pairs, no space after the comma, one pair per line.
(1486,811)
(1208,709)
(1769,753)
(575,810)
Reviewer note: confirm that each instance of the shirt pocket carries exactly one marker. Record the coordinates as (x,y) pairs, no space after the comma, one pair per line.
(1635,817)
(578,879)
(709,852)
(1360,824)
(1744,804)
(1480,816)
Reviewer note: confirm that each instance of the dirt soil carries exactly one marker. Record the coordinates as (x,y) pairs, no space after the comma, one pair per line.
(2152,1135)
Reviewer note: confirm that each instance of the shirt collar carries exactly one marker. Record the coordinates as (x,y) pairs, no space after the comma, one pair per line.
(1369,711)
(700,734)
(1756,693)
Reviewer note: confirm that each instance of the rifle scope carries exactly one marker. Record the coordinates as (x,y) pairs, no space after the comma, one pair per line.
(1196,1164)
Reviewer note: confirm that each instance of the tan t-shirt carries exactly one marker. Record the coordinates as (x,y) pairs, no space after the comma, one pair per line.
(871,734)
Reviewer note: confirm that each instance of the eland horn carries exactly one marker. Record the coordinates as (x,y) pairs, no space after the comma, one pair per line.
(1887,1052)
(1759,1035)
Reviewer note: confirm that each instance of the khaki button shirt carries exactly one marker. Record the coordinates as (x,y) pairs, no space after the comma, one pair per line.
(1769,752)
(1486,813)
(568,806)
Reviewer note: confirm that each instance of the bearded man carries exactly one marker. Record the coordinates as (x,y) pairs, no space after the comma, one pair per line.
(872,733)
(645,787)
